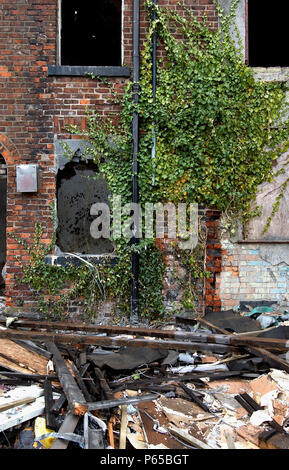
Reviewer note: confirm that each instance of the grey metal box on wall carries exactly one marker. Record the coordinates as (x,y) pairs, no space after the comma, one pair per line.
(27,178)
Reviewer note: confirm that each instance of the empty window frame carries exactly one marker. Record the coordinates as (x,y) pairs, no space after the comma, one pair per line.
(77,190)
(90,32)
(268,33)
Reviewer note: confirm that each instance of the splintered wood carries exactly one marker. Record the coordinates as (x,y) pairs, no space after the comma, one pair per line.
(20,359)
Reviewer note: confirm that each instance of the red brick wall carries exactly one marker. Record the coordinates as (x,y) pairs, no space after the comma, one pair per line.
(34,108)
(213,261)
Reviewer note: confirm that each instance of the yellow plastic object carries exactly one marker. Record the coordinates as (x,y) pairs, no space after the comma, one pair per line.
(40,429)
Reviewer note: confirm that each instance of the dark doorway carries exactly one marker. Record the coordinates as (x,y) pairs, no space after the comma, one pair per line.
(268,33)
(3,214)
(91,32)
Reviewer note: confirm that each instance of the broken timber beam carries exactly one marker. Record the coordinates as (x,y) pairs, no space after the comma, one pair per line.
(200,345)
(185,436)
(51,422)
(224,340)
(273,440)
(105,390)
(69,385)
(83,407)
(194,341)
(273,360)
(211,325)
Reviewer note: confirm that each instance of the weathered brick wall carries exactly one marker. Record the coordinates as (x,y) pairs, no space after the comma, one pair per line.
(246,275)
(35,108)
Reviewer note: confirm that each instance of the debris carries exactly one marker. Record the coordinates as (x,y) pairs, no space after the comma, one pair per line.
(273,440)
(40,429)
(50,418)
(117,387)
(24,412)
(82,407)
(184,435)
(68,426)
(94,432)
(69,385)
(9,321)
(14,404)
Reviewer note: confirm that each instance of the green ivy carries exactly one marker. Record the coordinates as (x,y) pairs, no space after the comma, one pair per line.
(218,134)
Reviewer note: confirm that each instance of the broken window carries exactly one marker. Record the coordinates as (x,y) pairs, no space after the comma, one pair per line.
(79,186)
(3,213)
(267,33)
(91,32)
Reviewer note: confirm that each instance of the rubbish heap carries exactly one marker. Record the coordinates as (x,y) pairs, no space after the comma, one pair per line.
(215,382)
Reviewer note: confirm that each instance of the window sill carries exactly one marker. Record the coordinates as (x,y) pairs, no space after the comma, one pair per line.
(83,71)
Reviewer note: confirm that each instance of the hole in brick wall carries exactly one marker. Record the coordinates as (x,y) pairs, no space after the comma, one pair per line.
(3,214)
(267,33)
(91,32)
(76,192)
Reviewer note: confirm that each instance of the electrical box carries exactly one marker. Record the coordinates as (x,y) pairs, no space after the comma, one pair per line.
(27,178)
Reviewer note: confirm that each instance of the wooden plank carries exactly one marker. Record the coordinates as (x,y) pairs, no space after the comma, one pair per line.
(81,383)
(34,377)
(69,424)
(68,383)
(110,435)
(83,407)
(211,325)
(194,397)
(51,422)
(273,360)
(13,404)
(195,341)
(24,412)
(123,427)
(106,393)
(273,440)
(16,354)
(183,435)
(60,403)
(14,382)
(202,345)
(34,348)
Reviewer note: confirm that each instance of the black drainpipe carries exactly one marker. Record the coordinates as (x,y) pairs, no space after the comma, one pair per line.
(154,87)
(135,148)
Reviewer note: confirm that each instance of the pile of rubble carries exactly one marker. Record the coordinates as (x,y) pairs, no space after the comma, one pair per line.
(192,384)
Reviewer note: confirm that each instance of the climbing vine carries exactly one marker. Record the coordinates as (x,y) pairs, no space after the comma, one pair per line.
(218,134)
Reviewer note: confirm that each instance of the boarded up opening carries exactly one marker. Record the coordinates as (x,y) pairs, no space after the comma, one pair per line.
(267,33)
(91,32)
(3,214)
(79,186)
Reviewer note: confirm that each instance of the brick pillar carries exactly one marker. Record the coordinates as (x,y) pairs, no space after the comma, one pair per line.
(213,261)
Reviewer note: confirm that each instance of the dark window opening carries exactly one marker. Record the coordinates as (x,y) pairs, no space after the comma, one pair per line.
(76,192)
(268,33)
(3,214)
(91,32)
